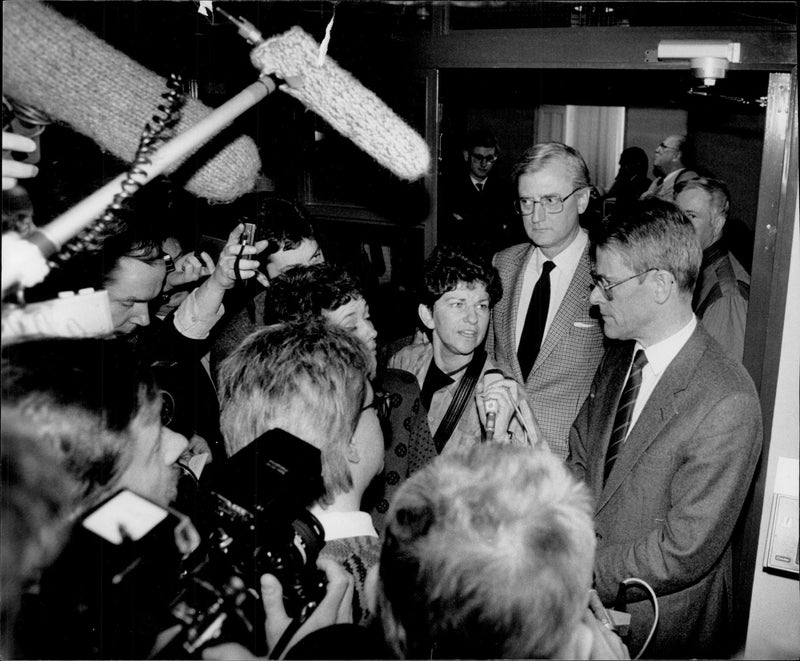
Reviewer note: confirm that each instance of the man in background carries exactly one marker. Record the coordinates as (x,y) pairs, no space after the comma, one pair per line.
(476,204)
(723,287)
(672,161)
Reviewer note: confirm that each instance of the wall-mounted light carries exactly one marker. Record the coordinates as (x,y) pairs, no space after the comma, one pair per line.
(708,58)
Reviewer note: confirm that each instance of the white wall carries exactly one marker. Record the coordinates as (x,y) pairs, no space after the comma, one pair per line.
(774,626)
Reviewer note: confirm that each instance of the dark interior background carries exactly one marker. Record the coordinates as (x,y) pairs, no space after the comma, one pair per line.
(355,201)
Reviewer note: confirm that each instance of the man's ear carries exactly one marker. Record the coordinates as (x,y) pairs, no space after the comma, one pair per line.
(425,315)
(718,223)
(583,199)
(664,283)
(466,156)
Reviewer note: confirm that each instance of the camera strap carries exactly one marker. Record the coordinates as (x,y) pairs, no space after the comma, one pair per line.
(286,637)
(463,394)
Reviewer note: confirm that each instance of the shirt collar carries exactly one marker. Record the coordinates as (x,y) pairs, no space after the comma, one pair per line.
(567,260)
(478,181)
(340,525)
(661,354)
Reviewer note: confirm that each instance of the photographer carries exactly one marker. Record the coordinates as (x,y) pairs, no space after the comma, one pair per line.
(93,404)
(304,385)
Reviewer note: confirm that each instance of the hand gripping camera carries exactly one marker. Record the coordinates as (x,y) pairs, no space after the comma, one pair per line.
(253,520)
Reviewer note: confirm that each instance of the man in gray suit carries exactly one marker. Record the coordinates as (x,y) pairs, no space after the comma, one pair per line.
(668,442)
(542,333)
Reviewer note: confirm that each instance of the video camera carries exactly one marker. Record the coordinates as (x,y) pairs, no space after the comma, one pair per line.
(253,520)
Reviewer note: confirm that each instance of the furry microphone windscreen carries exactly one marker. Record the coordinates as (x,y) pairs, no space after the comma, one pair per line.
(349,107)
(58,66)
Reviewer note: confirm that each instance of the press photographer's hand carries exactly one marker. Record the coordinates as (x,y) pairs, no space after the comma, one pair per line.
(336,606)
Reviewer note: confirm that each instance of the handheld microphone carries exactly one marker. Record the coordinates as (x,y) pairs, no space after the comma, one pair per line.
(491,418)
(491,406)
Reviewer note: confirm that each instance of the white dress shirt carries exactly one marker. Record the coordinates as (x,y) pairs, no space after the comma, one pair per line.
(341,525)
(659,356)
(566,263)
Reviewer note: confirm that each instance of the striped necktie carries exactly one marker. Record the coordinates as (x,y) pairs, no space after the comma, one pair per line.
(622,420)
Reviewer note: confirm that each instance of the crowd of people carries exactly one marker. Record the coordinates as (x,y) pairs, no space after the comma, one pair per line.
(572,413)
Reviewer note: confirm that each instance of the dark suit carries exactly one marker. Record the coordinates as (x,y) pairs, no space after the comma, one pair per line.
(560,378)
(672,499)
(486,218)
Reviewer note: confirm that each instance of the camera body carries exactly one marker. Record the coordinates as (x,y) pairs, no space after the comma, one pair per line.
(253,519)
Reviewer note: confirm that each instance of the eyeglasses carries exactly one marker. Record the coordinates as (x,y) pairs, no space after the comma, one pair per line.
(606,287)
(663,147)
(484,160)
(524,206)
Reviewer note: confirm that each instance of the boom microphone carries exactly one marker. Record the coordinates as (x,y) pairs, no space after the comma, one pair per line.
(349,107)
(59,67)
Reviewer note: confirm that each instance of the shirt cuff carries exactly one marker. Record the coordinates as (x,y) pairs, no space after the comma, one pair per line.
(191,322)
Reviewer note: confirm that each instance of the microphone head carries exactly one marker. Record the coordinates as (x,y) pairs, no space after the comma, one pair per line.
(344,103)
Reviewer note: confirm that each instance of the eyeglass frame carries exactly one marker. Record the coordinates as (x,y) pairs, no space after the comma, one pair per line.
(662,147)
(488,160)
(605,289)
(561,200)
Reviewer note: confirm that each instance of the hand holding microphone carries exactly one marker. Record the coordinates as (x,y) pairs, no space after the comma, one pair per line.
(491,418)
(503,406)
(495,403)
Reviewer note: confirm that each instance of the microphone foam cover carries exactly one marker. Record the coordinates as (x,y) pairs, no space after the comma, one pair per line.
(58,66)
(349,107)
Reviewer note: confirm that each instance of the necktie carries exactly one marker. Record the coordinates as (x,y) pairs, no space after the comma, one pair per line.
(622,420)
(535,320)
(479,187)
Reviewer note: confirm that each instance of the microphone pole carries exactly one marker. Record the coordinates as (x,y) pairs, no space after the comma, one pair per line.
(51,238)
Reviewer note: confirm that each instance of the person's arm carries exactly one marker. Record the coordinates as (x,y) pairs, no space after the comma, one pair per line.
(579,440)
(706,492)
(412,358)
(203,307)
(515,421)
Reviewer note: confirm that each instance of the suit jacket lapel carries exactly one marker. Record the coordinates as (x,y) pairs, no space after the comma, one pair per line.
(657,412)
(511,320)
(575,300)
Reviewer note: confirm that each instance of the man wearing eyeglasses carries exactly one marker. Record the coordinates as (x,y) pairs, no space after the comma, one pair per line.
(542,331)
(667,440)
(475,202)
(671,162)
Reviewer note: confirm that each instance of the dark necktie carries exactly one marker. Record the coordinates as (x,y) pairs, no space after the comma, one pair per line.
(622,420)
(535,320)
(479,187)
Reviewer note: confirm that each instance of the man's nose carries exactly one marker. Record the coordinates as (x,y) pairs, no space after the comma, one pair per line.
(596,296)
(141,315)
(472,315)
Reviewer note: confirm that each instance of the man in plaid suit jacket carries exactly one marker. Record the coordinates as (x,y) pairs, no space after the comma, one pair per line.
(553,187)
